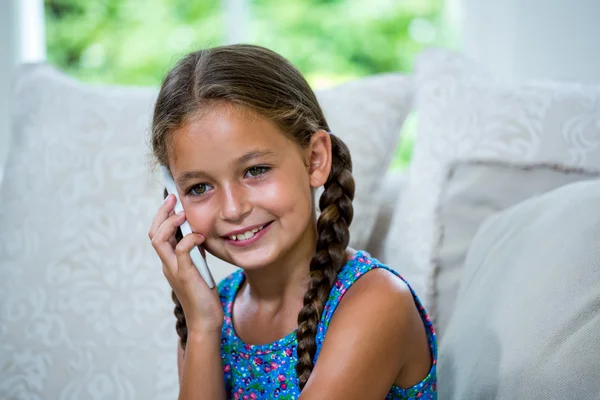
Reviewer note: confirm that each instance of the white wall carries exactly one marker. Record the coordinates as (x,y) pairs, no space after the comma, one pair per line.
(22,40)
(8,44)
(539,39)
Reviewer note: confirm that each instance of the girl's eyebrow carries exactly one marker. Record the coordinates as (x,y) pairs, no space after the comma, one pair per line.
(251,155)
(188,175)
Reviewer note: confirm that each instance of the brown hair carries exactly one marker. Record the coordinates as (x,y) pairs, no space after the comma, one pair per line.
(263,81)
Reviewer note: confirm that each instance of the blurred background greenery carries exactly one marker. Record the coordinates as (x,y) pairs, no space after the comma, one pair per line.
(134,42)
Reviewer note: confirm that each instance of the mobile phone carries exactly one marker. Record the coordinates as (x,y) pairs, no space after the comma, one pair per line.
(195,255)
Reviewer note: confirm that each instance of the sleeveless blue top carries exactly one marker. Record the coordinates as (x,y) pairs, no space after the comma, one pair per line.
(268,371)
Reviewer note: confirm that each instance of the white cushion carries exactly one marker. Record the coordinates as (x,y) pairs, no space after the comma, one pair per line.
(472,191)
(86,312)
(463,113)
(527,320)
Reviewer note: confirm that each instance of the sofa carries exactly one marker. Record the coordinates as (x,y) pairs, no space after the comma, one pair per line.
(495,223)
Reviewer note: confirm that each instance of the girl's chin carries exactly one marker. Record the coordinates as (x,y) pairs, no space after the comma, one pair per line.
(252,261)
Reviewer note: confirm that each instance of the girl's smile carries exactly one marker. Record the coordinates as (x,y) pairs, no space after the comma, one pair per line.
(247,236)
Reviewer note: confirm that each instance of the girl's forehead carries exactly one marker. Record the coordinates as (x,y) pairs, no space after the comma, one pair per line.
(232,127)
(226,132)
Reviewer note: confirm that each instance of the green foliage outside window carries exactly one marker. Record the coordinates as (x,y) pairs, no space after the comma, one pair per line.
(134,42)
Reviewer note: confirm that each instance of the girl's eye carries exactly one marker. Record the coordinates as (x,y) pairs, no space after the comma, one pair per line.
(255,172)
(199,189)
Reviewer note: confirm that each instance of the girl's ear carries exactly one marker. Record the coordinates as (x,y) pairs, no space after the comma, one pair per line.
(319,158)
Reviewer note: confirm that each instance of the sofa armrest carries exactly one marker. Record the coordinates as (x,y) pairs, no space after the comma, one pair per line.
(393,183)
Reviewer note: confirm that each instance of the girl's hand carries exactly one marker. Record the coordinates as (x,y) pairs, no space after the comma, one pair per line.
(201,305)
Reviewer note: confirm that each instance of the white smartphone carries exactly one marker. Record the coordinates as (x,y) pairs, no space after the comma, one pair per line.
(195,255)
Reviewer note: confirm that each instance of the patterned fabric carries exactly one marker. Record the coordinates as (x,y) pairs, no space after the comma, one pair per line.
(467,114)
(86,310)
(268,371)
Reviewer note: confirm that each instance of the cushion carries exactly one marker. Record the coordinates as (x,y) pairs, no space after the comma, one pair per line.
(375,108)
(527,320)
(86,310)
(392,183)
(472,191)
(464,113)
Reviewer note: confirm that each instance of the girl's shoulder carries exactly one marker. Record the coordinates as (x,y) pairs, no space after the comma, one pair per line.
(383,299)
(228,286)
(357,267)
(359,263)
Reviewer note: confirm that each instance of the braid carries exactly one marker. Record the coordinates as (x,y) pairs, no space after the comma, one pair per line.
(330,256)
(180,325)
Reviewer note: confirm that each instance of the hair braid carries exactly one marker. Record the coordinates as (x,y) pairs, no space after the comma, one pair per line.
(180,325)
(333,237)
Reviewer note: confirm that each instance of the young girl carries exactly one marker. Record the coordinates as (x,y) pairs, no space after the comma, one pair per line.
(305,316)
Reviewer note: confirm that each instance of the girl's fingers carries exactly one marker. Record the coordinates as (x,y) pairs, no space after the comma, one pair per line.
(164,239)
(164,211)
(183,249)
(172,239)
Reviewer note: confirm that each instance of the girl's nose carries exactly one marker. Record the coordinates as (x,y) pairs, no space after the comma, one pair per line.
(235,204)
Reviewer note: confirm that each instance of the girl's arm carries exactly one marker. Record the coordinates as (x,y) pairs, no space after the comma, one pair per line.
(201,376)
(376,335)
(200,367)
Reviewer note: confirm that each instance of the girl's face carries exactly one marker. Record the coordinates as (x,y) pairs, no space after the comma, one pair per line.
(246,186)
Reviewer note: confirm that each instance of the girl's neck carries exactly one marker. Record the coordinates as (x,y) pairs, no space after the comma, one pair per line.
(287,278)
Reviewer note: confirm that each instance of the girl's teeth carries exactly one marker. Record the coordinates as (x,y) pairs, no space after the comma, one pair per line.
(245,235)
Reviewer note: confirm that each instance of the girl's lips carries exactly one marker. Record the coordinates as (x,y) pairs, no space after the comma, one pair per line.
(253,239)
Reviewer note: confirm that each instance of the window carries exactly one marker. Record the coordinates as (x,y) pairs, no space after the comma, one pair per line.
(136,41)
(330,41)
(128,41)
(336,40)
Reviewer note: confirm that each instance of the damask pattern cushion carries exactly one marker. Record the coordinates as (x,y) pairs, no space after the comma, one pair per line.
(527,319)
(85,312)
(471,192)
(463,113)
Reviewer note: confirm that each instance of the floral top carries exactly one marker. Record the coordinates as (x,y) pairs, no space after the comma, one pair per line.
(268,371)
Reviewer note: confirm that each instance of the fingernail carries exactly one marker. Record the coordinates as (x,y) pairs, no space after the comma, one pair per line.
(167,198)
(180,213)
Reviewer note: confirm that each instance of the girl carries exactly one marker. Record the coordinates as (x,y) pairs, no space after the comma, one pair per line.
(305,317)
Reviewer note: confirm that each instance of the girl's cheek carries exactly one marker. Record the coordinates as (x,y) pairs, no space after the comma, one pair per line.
(272,195)
(271,190)
(283,198)
(202,218)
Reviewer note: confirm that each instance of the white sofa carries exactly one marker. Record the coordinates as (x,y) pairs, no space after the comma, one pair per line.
(86,312)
